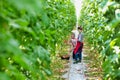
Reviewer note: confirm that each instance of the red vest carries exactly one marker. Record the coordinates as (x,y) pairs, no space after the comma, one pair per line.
(77,47)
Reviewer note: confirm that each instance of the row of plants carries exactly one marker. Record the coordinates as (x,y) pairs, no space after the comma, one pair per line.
(101,22)
(30,31)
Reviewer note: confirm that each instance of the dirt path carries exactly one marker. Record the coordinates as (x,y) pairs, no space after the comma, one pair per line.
(76,71)
(88,69)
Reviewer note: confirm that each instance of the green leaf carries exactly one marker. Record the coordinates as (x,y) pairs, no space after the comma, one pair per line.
(112,43)
(4,76)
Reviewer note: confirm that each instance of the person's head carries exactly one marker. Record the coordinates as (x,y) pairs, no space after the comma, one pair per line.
(72,35)
(80,29)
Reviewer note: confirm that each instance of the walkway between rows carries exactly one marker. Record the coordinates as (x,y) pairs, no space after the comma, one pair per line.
(89,69)
(76,71)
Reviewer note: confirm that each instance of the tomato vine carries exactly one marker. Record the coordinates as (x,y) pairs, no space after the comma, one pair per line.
(101,22)
(30,29)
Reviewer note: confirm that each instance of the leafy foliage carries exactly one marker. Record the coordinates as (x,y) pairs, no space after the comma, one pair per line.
(30,29)
(101,22)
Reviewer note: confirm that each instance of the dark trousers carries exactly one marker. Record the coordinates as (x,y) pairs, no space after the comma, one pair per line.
(79,53)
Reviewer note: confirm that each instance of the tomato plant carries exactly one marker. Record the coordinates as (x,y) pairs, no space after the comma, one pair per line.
(101,22)
(30,29)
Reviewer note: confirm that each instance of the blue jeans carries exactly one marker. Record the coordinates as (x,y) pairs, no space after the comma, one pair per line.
(78,56)
(79,53)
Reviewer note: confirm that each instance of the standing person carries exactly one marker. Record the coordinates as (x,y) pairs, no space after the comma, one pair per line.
(78,50)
